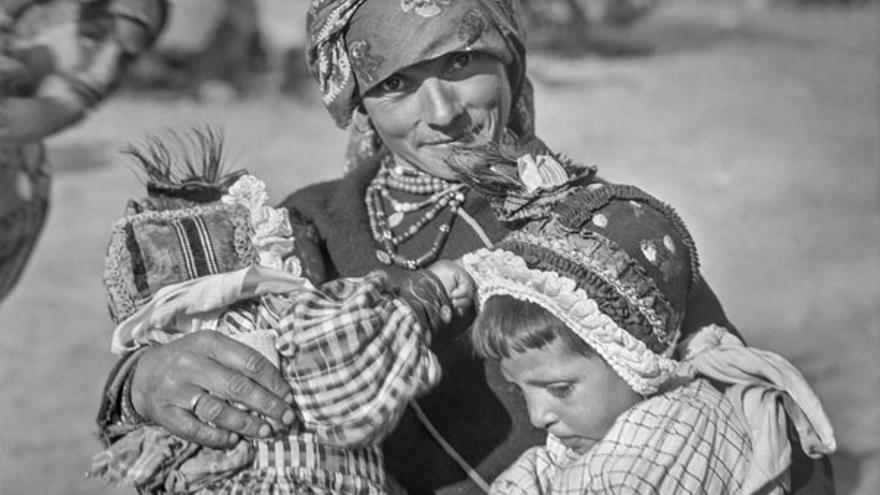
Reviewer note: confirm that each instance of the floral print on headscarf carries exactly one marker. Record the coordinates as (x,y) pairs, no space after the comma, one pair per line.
(424,8)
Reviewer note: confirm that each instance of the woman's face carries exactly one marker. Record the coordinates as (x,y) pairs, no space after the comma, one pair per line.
(574,397)
(422,111)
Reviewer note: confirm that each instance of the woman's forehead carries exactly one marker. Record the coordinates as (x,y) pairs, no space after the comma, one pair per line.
(386,36)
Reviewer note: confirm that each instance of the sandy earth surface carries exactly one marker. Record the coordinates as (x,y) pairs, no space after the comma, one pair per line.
(762,129)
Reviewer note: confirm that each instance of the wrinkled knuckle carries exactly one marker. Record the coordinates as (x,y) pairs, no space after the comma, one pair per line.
(212,410)
(254,363)
(240,386)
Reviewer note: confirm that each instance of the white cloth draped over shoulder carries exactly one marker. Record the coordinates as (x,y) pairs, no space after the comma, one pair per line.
(769,391)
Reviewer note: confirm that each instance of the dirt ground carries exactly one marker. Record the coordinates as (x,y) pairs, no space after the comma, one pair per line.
(761,127)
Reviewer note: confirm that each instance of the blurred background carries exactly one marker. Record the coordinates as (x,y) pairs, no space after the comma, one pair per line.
(759,120)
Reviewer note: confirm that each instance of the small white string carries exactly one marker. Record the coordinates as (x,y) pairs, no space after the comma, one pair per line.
(423,418)
(450,450)
(476,227)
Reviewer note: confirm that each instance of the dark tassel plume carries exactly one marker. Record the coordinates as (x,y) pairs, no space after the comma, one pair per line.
(491,169)
(184,165)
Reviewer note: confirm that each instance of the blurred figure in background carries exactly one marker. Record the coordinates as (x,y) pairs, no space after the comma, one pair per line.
(58,59)
(568,25)
(223,49)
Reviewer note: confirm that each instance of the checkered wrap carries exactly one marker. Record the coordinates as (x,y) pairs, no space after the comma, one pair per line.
(355,352)
(354,357)
(685,441)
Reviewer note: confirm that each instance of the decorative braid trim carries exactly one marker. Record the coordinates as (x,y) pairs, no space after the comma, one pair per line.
(615,267)
(611,302)
(123,296)
(243,237)
(579,209)
(498,272)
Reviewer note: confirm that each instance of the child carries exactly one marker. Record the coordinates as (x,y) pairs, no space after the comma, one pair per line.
(582,304)
(204,251)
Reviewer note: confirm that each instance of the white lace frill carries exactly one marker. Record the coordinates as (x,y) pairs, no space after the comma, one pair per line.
(272,237)
(498,272)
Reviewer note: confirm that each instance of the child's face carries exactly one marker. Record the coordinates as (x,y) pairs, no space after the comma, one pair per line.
(574,397)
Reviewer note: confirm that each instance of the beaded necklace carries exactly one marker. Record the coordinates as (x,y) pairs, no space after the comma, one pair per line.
(442,196)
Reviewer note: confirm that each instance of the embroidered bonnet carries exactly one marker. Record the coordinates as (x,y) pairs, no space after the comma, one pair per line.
(615,264)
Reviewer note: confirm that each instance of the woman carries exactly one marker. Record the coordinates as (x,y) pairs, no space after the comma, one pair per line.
(413,78)
(50,76)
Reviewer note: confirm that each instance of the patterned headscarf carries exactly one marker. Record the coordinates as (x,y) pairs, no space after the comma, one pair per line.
(355,44)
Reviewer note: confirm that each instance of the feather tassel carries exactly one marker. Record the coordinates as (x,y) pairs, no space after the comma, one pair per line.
(187,166)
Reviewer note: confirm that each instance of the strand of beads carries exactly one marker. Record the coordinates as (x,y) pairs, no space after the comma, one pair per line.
(444,196)
(400,206)
(413,181)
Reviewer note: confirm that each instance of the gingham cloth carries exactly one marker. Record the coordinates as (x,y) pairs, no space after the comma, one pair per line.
(355,354)
(685,441)
(355,351)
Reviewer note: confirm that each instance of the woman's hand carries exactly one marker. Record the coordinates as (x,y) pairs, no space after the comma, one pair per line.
(458,284)
(188,386)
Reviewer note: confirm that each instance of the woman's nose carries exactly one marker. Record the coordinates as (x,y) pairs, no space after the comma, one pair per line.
(440,103)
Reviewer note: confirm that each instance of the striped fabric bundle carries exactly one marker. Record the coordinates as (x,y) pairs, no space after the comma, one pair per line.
(154,249)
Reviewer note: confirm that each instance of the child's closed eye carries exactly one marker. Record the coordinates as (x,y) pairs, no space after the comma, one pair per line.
(560,390)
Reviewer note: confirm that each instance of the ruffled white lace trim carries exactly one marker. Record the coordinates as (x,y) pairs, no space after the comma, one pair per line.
(272,237)
(498,272)
(610,274)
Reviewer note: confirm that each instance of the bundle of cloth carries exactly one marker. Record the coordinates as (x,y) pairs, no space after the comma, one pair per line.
(203,251)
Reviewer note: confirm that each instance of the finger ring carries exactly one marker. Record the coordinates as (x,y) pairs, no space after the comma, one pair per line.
(194,402)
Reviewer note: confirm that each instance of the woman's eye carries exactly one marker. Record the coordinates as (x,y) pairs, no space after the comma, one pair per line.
(392,84)
(561,390)
(461,60)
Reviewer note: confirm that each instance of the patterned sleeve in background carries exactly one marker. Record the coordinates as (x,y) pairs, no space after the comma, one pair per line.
(355,354)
